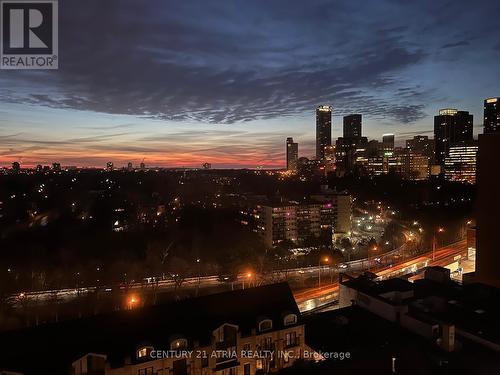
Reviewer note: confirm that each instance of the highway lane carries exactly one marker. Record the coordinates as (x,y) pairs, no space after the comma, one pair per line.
(204,281)
(390,265)
(314,298)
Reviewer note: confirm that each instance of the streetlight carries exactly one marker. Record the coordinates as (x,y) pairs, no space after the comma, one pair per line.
(374,248)
(198,260)
(132,301)
(325,260)
(248,276)
(434,240)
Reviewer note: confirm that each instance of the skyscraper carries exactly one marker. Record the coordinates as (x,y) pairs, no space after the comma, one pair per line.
(292,154)
(451,127)
(460,162)
(421,145)
(388,143)
(347,153)
(352,126)
(323,130)
(492,115)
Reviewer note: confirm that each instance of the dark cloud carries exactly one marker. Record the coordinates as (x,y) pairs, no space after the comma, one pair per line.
(461,43)
(215,63)
(234,61)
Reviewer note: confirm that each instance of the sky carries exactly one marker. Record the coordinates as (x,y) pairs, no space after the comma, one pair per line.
(180,83)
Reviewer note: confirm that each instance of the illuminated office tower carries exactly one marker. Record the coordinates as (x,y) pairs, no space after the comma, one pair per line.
(460,163)
(418,167)
(492,115)
(451,127)
(323,130)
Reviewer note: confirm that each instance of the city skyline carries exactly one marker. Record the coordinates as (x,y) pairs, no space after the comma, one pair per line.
(228,89)
(236,187)
(400,142)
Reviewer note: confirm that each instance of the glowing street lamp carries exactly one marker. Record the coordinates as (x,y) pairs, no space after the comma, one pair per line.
(434,241)
(325,260)
(247,276)
(373,249)
(132,302)
(198,261)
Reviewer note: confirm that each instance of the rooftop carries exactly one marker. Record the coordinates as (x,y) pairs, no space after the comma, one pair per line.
(52,348)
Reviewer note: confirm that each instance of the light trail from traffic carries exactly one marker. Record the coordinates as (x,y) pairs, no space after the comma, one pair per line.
(315,298)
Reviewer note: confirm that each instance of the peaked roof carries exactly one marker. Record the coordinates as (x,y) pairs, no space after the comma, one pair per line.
(53,347)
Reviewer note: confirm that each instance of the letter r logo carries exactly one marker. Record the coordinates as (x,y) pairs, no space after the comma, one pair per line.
(17,30)
(28,27)
(28,34)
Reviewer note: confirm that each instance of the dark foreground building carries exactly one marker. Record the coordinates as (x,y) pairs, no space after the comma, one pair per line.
(243,332)
(487,209)
(432,326)
(446,314)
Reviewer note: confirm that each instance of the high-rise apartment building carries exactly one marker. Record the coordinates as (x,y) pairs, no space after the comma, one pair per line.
(323,130)
(492,115)
(292,154)
(352,126)
(328,213)
(418,155)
